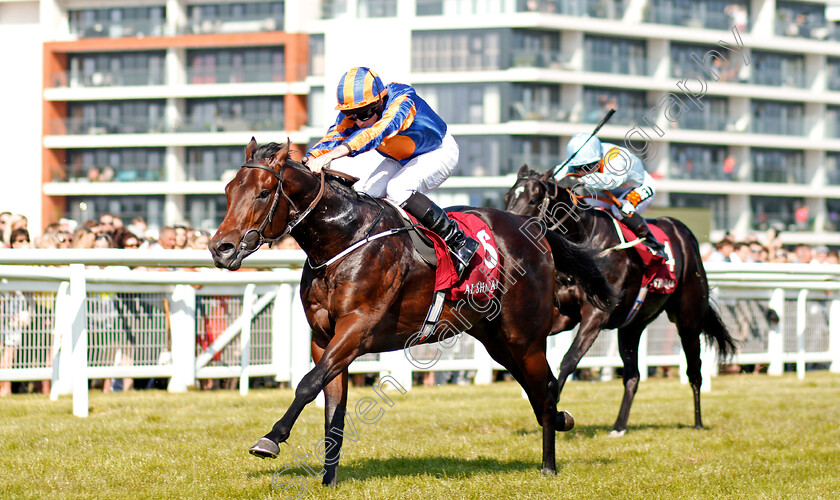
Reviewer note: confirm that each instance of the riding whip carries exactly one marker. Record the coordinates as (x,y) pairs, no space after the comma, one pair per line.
(600,124)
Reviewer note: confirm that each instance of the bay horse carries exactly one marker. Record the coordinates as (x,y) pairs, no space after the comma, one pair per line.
(688,307)
(373,297)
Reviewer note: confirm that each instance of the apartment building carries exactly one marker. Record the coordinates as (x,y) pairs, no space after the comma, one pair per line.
(734,104)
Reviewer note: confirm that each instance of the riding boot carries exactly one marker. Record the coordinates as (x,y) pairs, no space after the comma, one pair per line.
(640,228)
(434,218)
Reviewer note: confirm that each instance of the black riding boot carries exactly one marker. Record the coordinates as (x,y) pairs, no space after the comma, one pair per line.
(433,217)
(640,228)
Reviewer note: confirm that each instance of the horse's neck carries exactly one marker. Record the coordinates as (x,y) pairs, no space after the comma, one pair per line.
(339,219)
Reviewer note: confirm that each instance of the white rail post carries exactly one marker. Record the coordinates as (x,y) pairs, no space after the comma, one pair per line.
(708,363)
(643,355)
(183,338)
(248,300)
(801,323)
(62,376)
(300,352)
(834,336)
(484,363)
(281,332)
(78,308)
(397,365)
(776,336)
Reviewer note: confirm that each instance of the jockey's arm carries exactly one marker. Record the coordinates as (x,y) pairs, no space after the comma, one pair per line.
(614,174)
(317,163)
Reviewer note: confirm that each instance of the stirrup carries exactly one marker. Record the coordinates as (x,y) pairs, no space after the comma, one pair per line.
(463,254)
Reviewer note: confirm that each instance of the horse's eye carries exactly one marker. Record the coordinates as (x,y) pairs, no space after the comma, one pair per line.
(264,193)
(533,201)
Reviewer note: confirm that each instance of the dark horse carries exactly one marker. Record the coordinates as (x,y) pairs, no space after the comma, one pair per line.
(375,298)
(538,195)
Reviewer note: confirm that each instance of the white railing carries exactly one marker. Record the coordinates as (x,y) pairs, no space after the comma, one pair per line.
(85,322)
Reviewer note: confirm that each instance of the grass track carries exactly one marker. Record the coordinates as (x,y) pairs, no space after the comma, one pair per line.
(766,437)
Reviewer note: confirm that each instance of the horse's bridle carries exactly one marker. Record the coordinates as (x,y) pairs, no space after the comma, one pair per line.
(297,218)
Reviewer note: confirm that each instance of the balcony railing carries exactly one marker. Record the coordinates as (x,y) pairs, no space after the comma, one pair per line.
(227,24)
(779,174)
(605,9)
(523,58)
(777,78)
(701,170)
(624,115)
(534,161)
(250,122)
(617,65)
(775,125)
(237,74)
(540,112)
(697,15)
(125,125)
(128,77)
(108,173)
(119,29)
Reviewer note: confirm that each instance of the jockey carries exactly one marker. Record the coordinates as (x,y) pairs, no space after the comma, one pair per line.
(607,167)
(419,153)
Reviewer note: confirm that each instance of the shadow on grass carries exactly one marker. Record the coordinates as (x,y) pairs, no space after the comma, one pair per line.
(591,431)
(438,467)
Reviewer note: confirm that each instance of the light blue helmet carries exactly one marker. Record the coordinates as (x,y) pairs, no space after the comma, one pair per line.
(589,153)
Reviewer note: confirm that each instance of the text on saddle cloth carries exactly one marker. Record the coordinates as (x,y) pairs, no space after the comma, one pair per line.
(482,278)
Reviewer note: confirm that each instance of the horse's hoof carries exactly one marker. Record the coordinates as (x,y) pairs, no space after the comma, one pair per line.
(545,471)
(563,421)
(617,434)
(265,448)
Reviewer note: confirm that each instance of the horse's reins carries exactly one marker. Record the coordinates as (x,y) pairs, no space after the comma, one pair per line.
(298,217)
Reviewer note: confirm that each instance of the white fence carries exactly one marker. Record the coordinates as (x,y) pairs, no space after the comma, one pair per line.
(74,323)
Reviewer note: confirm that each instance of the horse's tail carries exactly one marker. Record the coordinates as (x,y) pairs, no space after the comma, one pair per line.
(717,332)
(582,264)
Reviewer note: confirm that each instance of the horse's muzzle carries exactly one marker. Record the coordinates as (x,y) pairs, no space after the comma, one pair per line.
(225,254)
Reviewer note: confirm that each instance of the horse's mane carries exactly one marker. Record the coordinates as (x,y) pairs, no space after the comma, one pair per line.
(267,151)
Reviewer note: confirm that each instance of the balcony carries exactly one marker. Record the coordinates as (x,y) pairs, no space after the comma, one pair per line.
(603,9)
(123,125)
(618,65)
(108,173)
(523,58)
(241,123)
(237,74)
(122,78)
(709,14)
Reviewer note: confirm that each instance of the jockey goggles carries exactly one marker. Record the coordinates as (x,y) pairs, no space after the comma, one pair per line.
(363,114)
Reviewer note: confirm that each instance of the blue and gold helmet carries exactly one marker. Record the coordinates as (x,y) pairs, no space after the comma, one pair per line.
(359,87)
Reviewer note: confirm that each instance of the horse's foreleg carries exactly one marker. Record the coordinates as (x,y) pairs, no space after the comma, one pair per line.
(628,346)
(341,350)
(587,332)
(336,406)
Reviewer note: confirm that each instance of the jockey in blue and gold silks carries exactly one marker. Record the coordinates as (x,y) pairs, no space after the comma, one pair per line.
(607,167)
(419,152)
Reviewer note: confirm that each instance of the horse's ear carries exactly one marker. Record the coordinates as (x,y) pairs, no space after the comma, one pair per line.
(547,175)
(523,170)
(249,150)
(281,155)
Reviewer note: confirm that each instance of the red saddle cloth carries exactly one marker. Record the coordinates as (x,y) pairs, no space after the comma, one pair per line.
(658,271)
(482,276)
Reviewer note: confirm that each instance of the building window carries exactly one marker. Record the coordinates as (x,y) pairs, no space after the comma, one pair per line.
(779,212)
(479,155)
(538,152)
(458,103)
(805,20)
(782,118)
(690,161)
(832,121)
(607,9)
(778,70)
(540,49)
(713,116)
(685,57)
(460,7)
(114,69)
(832,207)
(85,208)
(832,168)
(833,67)
(234,114)
(615,55)
(536,102)
(778,165)
(317,51)
(465,50)
(377,8)
(238,17)
(630,105)
(206,211)
(213,163)
(718,204)
(252,64)
(117,22)
(712,14)
(333,9)
(116,117)
(117,165)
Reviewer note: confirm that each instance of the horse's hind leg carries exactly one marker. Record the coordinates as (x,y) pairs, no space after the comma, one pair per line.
(690,338)
(628,346)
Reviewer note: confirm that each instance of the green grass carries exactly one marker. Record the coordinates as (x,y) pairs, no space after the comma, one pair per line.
(766,437)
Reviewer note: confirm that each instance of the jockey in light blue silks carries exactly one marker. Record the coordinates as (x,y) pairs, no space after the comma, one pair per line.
(607,167)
